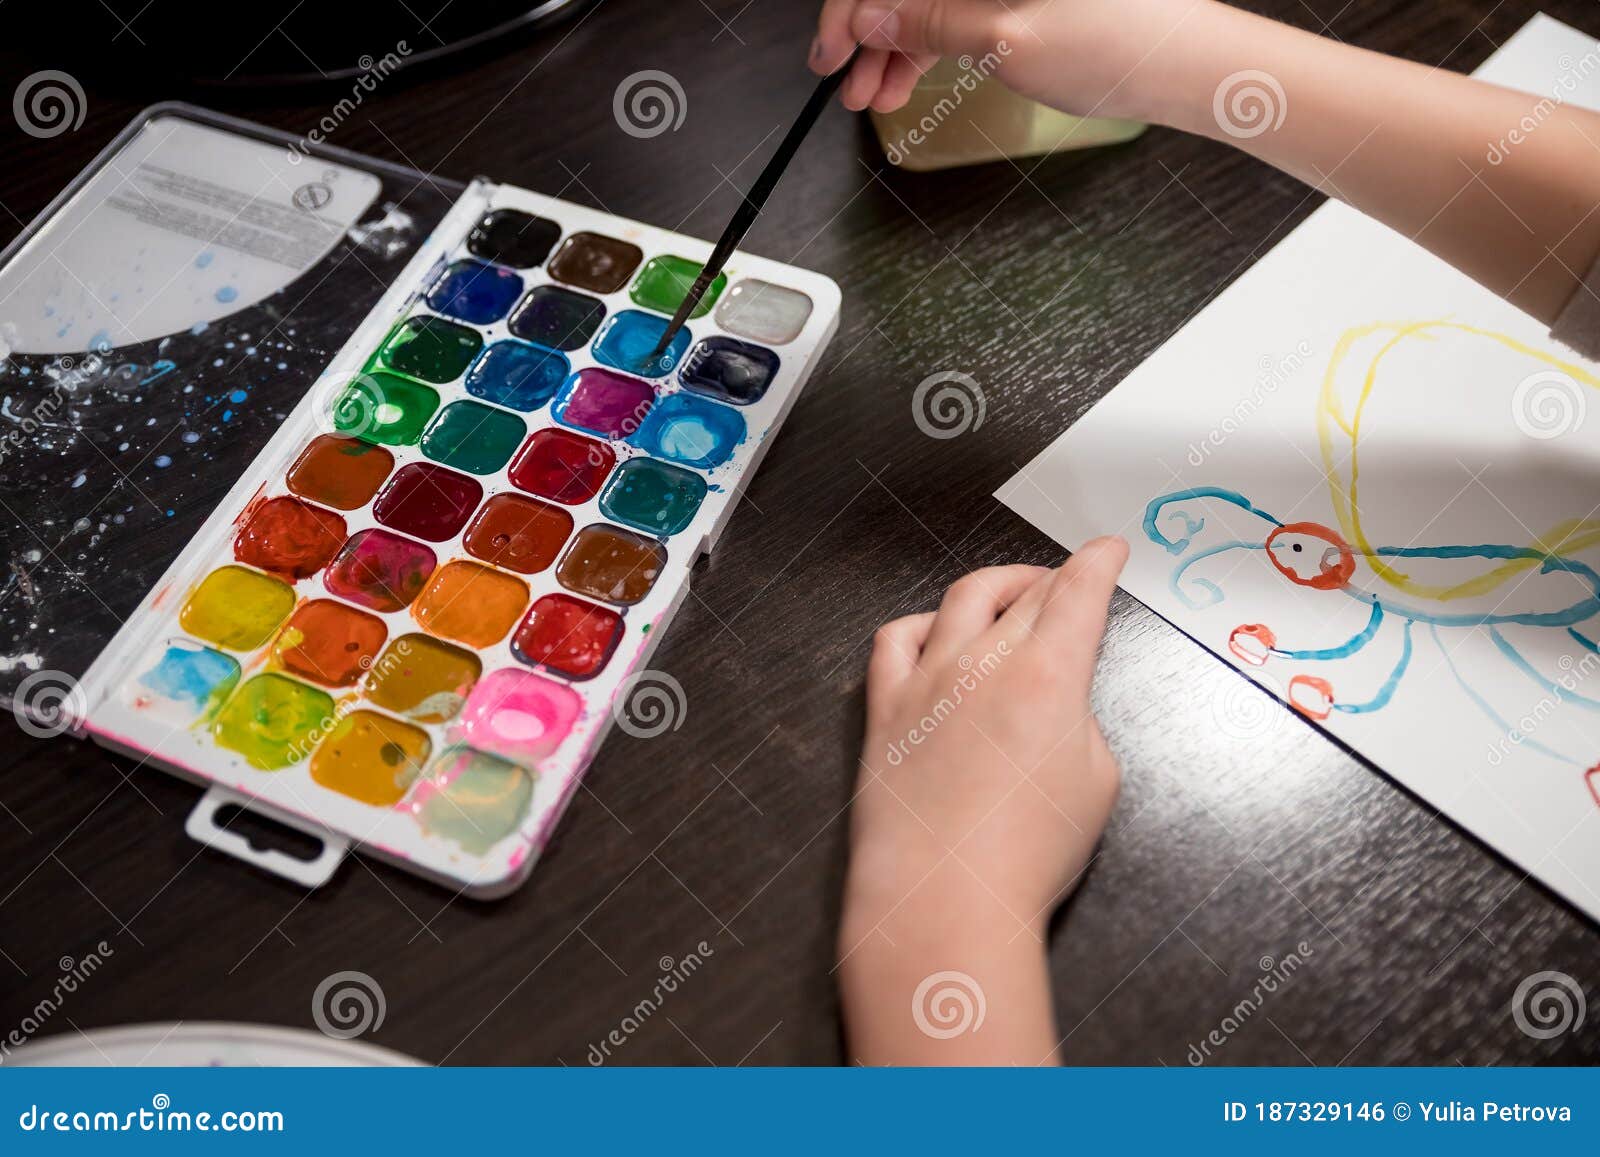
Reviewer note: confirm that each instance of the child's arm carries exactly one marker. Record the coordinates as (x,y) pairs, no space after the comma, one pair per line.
(1448,161)
(984,786)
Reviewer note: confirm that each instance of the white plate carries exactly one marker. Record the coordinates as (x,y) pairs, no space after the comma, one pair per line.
(204,1045)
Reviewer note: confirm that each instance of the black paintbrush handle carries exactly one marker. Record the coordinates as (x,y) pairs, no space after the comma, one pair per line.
(750,208)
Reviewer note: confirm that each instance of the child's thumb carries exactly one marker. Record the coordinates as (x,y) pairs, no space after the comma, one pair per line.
(943,27)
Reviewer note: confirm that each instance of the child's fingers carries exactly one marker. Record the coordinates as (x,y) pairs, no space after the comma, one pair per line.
(899,78)
(833,44)
(972,604)
(882,77)
(866,76)
(1021,620)
(1017,623)
(942,27)
(1073,617)
(895,650)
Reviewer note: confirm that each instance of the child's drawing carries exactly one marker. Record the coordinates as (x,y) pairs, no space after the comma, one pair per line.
(1396,529)
(1533,598)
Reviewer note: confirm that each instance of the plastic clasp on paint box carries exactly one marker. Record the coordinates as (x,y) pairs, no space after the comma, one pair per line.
(313,872)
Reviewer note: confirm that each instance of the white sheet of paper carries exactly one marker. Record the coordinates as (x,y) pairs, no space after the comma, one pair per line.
(1352,381)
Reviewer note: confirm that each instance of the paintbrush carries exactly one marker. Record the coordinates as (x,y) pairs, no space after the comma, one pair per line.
(745,216)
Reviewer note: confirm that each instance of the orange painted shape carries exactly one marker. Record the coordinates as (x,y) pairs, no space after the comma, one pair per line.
(1311,695)
(472,604)
(1330,576)
(329,643)
(1252,643)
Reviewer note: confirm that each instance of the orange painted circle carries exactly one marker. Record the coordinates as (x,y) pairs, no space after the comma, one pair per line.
(1331,576)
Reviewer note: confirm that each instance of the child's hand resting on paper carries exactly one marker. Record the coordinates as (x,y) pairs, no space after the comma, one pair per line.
(983,788)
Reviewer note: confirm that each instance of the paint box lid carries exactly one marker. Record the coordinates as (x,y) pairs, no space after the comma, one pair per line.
(155,334)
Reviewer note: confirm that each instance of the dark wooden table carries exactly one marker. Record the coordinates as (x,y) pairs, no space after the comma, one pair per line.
(1046,284)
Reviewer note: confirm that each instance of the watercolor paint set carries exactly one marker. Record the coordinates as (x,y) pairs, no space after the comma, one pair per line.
(409,622)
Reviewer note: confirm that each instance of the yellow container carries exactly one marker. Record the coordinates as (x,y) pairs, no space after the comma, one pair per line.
(960,115)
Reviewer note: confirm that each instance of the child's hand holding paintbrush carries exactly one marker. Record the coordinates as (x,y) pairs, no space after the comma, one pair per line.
(984,781)
(1444,159)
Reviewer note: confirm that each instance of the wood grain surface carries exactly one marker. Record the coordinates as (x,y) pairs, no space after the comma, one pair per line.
(1047,282)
